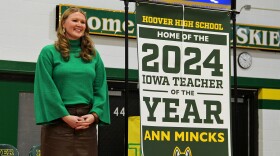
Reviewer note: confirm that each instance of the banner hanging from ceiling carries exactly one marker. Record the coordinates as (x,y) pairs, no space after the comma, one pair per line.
(111,23)
(213,4)
(184,77)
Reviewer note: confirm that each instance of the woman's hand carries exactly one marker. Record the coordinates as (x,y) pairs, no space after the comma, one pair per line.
(86,121)
(77,122)
(73,121)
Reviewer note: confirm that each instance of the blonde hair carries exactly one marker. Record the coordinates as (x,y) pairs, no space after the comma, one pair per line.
(62,43)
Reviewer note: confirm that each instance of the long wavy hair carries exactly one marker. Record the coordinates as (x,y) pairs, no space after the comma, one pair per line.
(62,43)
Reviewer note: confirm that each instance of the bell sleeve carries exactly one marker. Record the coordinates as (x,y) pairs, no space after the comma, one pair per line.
(100,93)
(47,100)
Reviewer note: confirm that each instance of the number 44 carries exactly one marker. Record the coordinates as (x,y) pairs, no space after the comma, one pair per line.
(119,111)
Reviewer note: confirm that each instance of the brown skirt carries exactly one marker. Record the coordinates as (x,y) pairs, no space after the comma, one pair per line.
(59,139)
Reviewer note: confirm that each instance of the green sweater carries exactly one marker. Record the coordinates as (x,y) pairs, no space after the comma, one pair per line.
(59,83)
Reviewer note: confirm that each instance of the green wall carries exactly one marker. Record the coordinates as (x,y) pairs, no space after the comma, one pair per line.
(9,95)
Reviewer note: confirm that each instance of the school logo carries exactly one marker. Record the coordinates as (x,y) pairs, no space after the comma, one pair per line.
(178,152)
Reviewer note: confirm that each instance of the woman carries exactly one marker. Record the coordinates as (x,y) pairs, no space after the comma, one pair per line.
(70,90)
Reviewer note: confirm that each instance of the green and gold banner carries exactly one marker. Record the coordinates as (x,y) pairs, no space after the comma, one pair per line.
(184,77)
(111,23)
(105,22)
(258,37)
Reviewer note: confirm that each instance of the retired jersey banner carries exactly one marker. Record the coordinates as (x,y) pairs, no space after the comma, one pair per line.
(184,76)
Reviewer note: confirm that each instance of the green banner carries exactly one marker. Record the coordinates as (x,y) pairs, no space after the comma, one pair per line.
(258,37)
(184,77)
(111,23)
(105,22)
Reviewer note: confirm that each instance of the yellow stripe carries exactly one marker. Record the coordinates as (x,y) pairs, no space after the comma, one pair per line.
(269,94)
